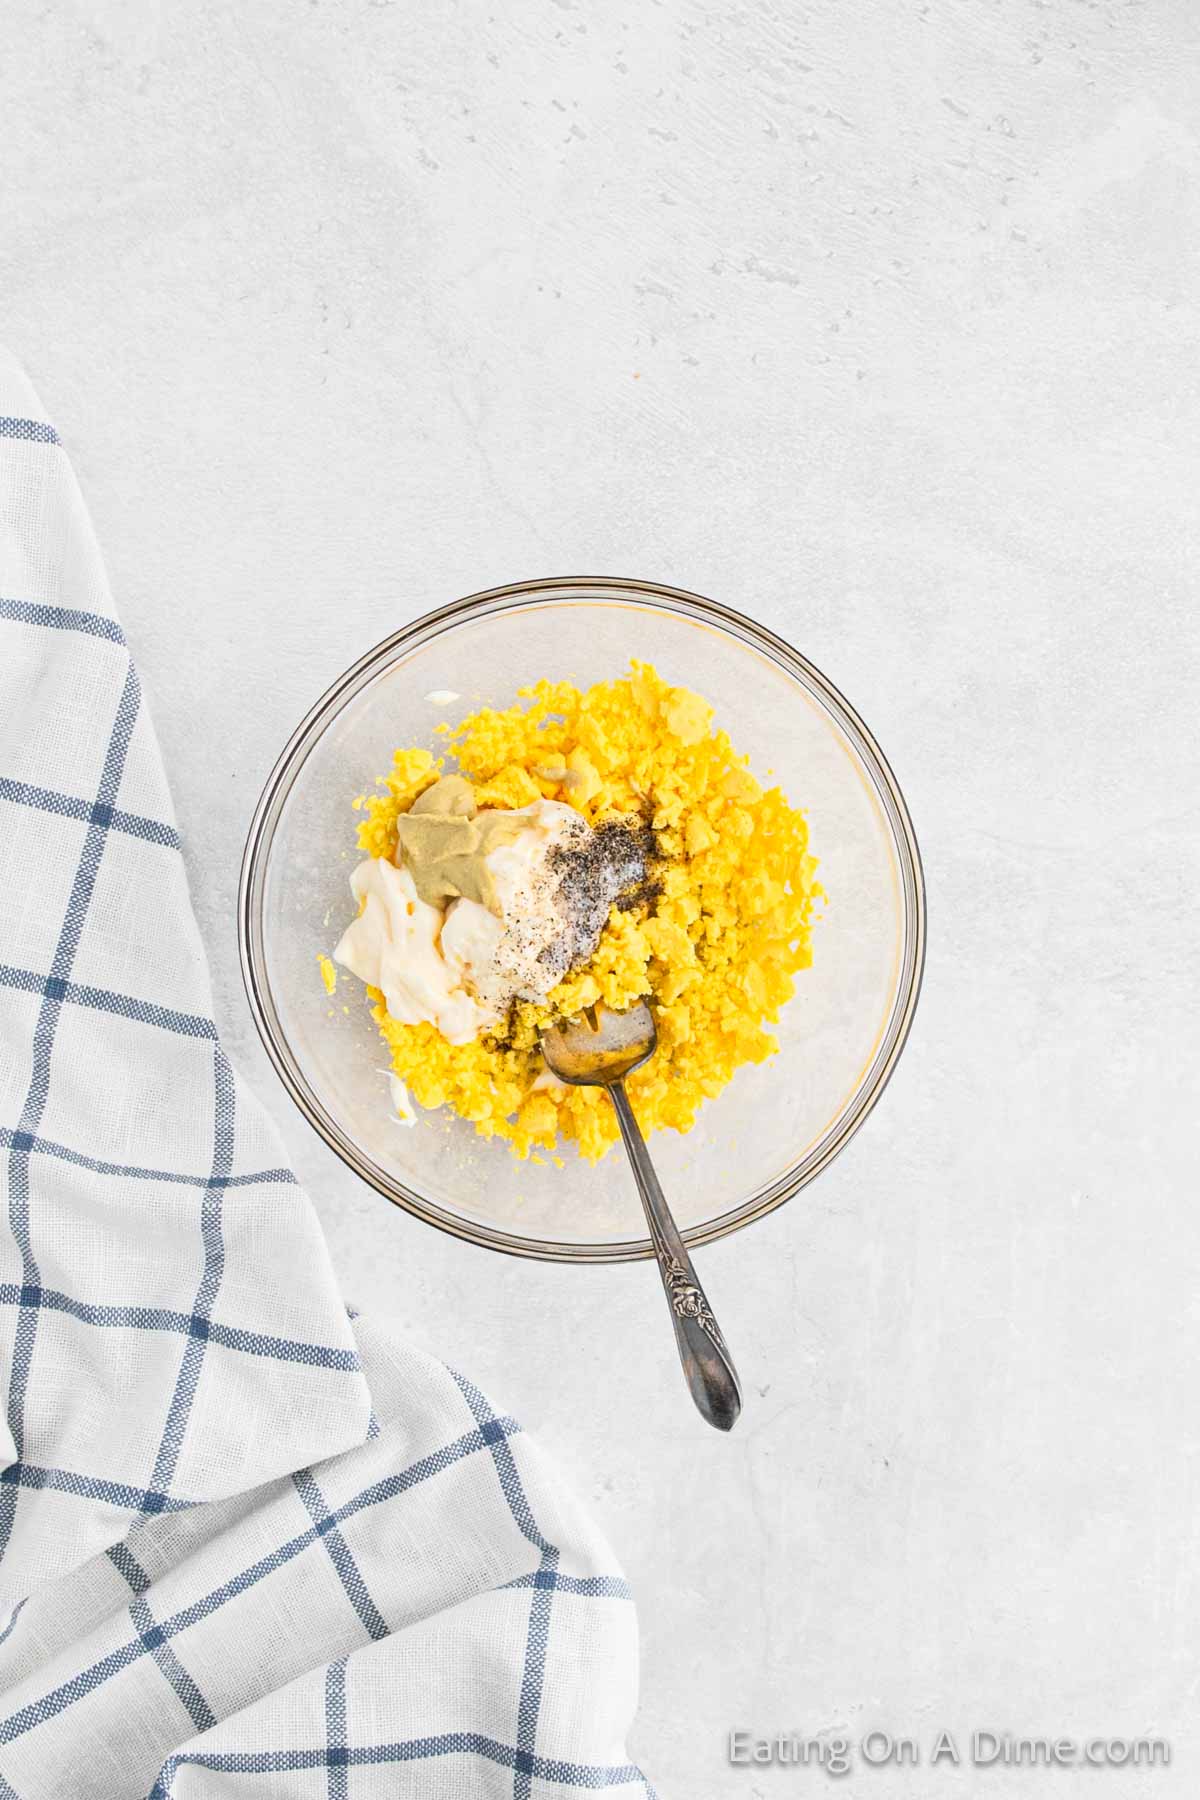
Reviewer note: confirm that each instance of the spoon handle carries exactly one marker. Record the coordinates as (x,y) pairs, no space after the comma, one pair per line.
(706,1362)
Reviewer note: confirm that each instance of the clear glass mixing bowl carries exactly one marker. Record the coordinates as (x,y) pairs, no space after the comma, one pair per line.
(778,1123)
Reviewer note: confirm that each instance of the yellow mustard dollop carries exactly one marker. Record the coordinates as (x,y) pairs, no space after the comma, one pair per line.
(446,841)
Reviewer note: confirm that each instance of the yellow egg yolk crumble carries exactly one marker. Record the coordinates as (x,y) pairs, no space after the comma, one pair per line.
(717,949)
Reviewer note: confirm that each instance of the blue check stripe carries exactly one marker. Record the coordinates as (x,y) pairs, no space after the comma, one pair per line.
(483,1437)
(39,1083)
(13,1616)
(61,618)
(595,1587)
(70,806)
(537,1640)
(537,1636)
(91,1487)
(126,1563)
(224,1106)
(40,1146)
(74,993)
(552,1769)
(37,1712)
(337,1750)
(33,431)
(181,1683)
(340,1555)
(506,1468)
(85,1682)
(161,1318)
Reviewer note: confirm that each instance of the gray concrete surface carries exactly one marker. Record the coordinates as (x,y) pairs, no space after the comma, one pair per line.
(880,323)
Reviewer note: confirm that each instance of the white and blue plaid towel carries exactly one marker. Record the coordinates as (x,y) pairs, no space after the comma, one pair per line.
(249,1546)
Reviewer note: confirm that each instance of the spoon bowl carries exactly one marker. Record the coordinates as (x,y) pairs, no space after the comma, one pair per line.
(600,1047)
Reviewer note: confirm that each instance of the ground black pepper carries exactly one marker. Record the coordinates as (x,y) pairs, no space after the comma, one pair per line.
(612,864)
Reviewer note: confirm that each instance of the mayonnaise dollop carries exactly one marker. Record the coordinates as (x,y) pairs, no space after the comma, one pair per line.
(459,966)
(393,946)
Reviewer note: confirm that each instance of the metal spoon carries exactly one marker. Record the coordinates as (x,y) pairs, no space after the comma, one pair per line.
(599,1049)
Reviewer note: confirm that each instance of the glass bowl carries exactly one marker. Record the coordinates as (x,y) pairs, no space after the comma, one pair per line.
(778,1123)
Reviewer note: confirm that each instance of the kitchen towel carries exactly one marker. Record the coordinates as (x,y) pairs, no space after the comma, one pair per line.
(249,1544)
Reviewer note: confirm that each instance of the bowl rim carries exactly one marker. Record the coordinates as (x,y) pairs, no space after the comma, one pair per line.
(515,596)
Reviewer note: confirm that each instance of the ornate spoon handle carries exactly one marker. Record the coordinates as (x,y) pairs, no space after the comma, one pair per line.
(706,1362)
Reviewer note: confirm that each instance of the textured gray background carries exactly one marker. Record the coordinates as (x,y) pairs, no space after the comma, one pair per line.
(878,321)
